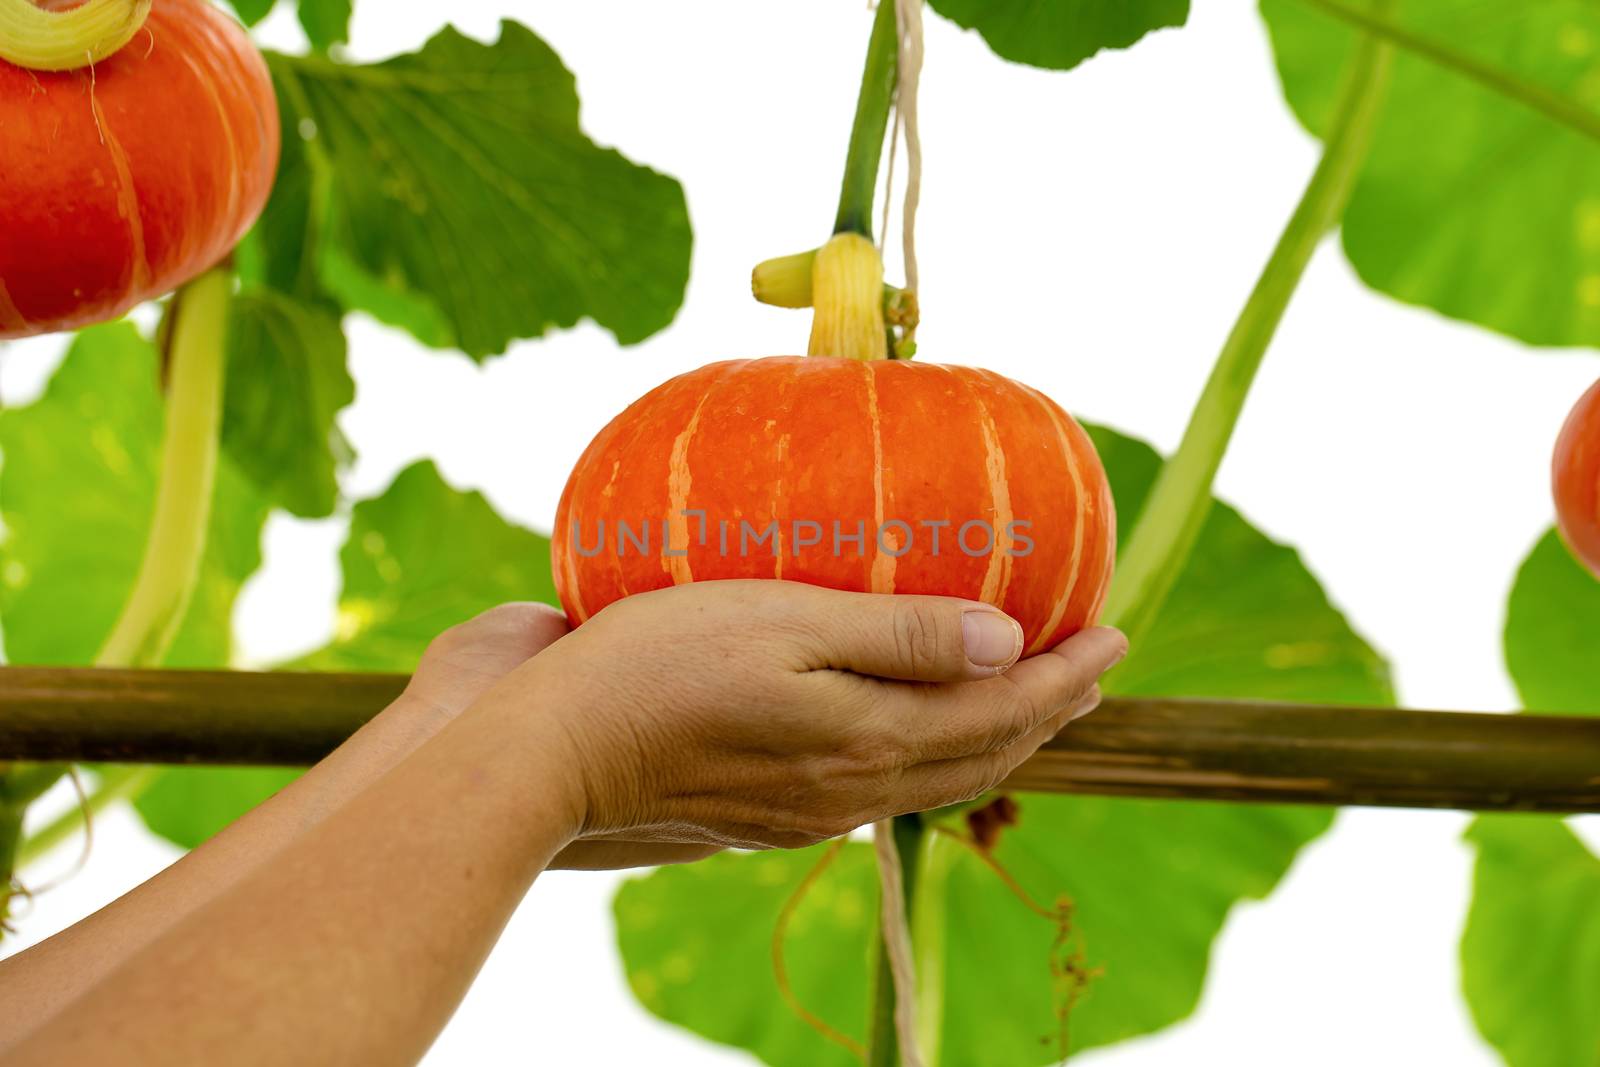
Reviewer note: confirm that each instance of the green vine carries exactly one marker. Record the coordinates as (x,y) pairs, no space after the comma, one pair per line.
(1176,509)
(871,126)
(883,1042)
(195,336)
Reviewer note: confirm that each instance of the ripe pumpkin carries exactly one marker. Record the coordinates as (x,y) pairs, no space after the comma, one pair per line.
(1576,478)
(121,182)
(888,449)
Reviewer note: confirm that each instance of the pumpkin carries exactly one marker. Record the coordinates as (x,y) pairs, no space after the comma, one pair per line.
(121,181)
(882,476)
(1576,478)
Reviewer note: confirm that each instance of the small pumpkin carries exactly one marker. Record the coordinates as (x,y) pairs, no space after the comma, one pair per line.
(1576,480)
(121,181)
(874,475)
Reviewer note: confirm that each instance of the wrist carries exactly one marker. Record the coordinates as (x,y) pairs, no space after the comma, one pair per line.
(522,719)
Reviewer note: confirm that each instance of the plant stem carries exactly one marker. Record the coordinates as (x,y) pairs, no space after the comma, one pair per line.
(1553,105)
(1176,509)
(871,125)
(883,1044)
(10,835)
(195,346)
(197,341)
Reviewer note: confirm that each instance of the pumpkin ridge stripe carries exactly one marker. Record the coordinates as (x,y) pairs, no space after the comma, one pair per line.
(230,136)
(127,200)
(881,576)
(997,577)
(679,484)
(777,496)
(1070,576)
(580,609)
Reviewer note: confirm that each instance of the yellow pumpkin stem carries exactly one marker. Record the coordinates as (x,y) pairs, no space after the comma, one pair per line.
(39,38)
(784,281)
(847,293)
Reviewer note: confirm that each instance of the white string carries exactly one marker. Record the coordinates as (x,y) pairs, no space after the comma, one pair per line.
(908,20)
(897,942)
(896,928)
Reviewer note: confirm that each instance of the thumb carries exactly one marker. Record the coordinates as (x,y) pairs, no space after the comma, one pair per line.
(914,638)
(471,656)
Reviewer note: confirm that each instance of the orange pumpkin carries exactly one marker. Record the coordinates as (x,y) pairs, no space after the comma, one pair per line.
(1576,477)
(879,475)
(121,182)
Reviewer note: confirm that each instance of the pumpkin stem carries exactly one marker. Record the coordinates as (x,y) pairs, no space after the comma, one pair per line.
(49,35)
(196,343)
(847,293)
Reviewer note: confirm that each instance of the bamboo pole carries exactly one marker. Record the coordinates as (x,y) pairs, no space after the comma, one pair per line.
(1132,746)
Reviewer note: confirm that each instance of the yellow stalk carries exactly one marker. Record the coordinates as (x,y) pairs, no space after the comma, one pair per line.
(785,281)
(847,292)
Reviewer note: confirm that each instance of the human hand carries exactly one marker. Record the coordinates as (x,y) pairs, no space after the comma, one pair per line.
(465,661)
(759,714)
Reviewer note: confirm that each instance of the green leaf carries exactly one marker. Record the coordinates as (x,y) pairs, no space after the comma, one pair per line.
(280,250)
(421,558)
(1245,620)
(187,805)
(1470,203)
(463,202)
(251,12)
(1552,634)
(326,22)
(697,944)
(77,492)
(286,381)
(1530,956)
(1060,34)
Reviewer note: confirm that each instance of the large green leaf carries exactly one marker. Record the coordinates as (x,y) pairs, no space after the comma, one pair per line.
(1530,957)
(698,944)
(1470,203)
(1552,632)
(286,382)
(454,194)
(421,558)
(1060,34)
(77,491)
(1152,881)
(186,805)
(326,22)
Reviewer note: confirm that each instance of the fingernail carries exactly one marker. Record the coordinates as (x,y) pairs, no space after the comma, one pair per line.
(991,639)
(1086,704)
(1120,651)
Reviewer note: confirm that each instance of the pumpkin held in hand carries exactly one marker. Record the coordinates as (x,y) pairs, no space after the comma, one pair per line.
(870,475)
(121,181)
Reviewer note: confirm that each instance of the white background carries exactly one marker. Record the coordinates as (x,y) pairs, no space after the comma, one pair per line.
(1092,234)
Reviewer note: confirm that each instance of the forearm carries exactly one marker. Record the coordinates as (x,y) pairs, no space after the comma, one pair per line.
(37,983)
(357,942)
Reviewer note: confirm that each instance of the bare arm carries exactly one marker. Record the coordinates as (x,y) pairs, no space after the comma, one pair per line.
(756,714)
(358,940)
(458,667)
